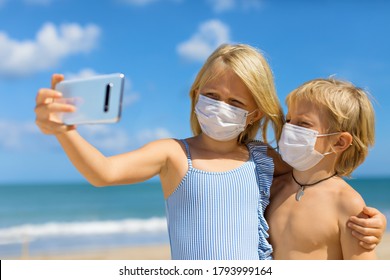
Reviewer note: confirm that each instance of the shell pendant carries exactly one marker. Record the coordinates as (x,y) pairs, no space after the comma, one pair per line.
(300,193)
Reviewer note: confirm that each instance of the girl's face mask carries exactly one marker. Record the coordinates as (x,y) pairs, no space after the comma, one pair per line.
(296,146)
(218,120)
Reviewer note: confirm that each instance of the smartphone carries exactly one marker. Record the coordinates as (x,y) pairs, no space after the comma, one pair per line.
(97,99)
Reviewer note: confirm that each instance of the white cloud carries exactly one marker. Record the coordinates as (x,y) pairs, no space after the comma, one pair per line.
(25,136)
(51,45)
(220,6)
(83,73)
(17,135)
(130,97)
(113,139)
(209,36)
(149,135)
(108,138)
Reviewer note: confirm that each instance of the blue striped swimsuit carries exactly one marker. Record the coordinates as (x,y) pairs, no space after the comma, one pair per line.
(220,215)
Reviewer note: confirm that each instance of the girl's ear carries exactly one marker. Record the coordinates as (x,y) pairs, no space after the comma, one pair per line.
(257,115)
(344,140)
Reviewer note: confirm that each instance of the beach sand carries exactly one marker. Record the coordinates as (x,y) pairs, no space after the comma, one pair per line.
(153,252)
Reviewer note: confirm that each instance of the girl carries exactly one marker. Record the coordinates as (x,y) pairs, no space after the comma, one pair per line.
(216,184)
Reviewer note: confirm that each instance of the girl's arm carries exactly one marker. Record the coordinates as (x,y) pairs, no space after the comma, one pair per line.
(99,170)
(280,167)
(368,229)
(128,168)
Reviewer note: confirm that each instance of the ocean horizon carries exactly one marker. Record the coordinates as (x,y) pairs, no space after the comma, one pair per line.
(58,217)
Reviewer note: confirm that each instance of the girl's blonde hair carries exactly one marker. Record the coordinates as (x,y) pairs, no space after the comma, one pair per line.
(250,65)
(348,109)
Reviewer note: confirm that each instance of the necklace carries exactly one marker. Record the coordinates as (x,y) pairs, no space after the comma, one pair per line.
(301,190)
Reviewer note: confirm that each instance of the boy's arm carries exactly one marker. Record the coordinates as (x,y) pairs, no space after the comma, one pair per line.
(369,229)
(351,202)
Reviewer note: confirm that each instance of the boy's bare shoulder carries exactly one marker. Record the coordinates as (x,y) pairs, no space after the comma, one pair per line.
(349,200)
(280,182)
(282,179)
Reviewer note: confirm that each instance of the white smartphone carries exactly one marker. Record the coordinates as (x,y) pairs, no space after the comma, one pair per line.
(97,99)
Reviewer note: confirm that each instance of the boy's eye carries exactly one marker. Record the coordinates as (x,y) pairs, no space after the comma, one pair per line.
(304,124)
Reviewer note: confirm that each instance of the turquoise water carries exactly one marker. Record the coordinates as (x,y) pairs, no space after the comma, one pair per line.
(55,217)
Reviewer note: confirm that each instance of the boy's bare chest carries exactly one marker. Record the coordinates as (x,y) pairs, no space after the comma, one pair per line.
(301,227)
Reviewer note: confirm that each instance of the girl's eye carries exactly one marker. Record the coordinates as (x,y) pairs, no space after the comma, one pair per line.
(211,95)
(237,102)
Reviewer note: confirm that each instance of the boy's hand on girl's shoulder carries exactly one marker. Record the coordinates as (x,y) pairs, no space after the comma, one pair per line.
(368,227)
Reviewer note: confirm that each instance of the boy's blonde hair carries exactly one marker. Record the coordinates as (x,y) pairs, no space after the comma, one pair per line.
(249,64)
(349,109)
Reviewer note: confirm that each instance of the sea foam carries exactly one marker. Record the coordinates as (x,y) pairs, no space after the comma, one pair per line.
(30,232)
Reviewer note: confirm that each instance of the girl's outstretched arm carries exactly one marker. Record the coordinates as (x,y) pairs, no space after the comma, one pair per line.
(98,169)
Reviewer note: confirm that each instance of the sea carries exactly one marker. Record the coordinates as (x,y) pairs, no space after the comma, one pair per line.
(49,218)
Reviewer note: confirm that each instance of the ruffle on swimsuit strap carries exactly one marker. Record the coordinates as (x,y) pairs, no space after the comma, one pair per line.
(264,171)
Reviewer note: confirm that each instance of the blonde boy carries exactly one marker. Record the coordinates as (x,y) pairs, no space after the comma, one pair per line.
(330,126)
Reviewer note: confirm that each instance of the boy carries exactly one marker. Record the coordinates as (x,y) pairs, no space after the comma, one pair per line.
(330,126)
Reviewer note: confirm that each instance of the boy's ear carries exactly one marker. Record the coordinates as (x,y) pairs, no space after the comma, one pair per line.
(344,140)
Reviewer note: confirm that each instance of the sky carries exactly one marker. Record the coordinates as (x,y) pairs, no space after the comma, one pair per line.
(160,45)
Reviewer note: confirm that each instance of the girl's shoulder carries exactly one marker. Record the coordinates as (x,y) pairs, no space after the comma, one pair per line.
(166,145)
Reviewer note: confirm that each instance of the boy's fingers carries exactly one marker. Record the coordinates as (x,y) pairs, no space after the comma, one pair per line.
(361,229)
(363,222)
(364,238)
(367,246)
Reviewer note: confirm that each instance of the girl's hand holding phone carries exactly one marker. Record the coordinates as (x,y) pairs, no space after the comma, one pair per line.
(46,110)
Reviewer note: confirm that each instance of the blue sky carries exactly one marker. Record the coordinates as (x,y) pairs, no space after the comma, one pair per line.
(160,45)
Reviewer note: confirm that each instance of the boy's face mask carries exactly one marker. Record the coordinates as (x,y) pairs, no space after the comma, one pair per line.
(219,120)
(296,146)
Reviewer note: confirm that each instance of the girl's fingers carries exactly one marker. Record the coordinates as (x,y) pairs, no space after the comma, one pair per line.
(53,127)
(55,79)
(44,111)
(46,96)
(60,107)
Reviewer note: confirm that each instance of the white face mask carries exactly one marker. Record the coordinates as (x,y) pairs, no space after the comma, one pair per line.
(219,120)
(296,146)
